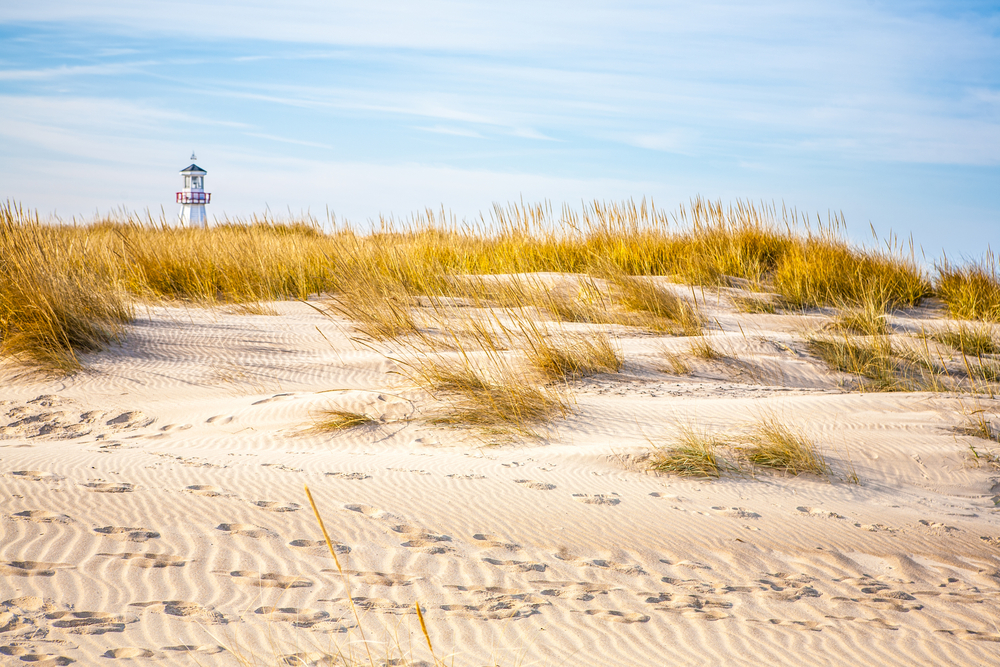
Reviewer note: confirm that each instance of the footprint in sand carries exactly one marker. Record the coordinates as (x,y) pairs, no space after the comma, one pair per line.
(268,579)
(578,590)
(532,484)
(245,530)
(418,537)
(690,605)
(795,625)
(617,616)
(219,419)
(46,401)
(175,427)
(207,490)
(736,513)
(875,527)
(149,560)
(11,622)
(377,578)
(516,565)
(31,604)
(36,475)
(129,420)
(109,487)
(129,653)
(319,547)
(189,611)
(299,618)
(31,568)
(90,622)
(206,649)
(127,534)
(276,506)
(348,475)
(789,587)
(31,656)
(692,564)
(497,606)
(495,542)
(816,511)
(379,604)
(992,541)
(280,466)
(596,499)
(937,526)
(372,512)
(634,570)
(41,516)
(469,476)
(309,659)
(276,397)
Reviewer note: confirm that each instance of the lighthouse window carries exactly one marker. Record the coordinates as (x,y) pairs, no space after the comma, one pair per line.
(197,181)
(187,181)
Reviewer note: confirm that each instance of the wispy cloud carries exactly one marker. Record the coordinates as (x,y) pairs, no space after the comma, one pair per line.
(454,131)
(62,71)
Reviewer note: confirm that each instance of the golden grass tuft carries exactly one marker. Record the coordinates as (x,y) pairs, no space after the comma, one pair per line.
(755,304)
(571,357)
(866,320)
(775,445)
(339,420)
(54,301)
(971,292)
(870,358)
(702,348)
(675,364)
(691,455)
(969,339)
(497,401)
(978,425)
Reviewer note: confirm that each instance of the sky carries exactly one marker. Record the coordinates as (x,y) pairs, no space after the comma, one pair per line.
(886,111)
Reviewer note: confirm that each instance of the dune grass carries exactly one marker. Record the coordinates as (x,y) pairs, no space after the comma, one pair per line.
(755,305)
(866,319)
(971,292)
(75,284)
(978,425)
(498,401)
(675,364)
(702,348)
(969,339)
(54,305)
(693,454)
(778,446)
(572,357)
(871,359)
(339,420)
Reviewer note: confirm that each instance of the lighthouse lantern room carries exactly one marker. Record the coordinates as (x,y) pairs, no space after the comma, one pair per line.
(193,197)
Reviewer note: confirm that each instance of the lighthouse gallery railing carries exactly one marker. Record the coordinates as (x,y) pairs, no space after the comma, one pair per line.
(194,197)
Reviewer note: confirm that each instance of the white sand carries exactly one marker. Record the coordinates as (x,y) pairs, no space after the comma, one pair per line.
(152,509)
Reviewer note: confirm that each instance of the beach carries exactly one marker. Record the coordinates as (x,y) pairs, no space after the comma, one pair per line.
(153,509)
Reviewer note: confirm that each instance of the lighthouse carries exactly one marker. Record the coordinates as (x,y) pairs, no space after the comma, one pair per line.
(193,197)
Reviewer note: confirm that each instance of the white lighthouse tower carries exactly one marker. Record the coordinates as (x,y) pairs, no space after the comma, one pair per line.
(193,197)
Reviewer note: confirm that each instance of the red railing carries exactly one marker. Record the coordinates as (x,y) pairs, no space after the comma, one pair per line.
(194,197)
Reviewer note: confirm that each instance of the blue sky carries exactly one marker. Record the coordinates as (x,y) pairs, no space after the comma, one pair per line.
(887,111)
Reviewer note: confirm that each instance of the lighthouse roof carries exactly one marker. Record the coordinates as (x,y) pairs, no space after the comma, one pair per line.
(193,169)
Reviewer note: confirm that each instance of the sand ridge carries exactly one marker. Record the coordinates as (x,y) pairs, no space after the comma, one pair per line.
(152,511)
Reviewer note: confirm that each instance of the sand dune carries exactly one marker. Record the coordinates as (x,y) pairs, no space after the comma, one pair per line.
(153,511)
